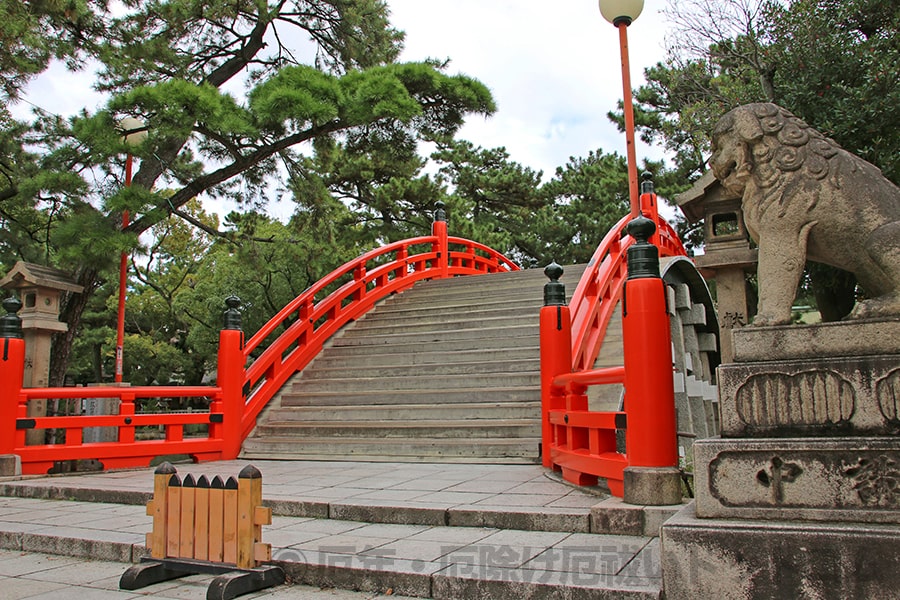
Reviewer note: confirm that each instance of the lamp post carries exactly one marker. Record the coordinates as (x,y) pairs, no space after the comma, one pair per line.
(134,132)
(652,476)
(621,13)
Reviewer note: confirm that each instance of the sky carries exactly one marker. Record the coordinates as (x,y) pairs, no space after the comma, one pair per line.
(553,68)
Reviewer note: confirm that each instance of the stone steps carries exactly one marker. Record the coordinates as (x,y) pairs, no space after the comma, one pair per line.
(438,368)
(424,382)
(336,357)
(392,428)
(380,449)
(448,532)
(448,370)
(394,310)
(400,412)
(472,332)
(393,397)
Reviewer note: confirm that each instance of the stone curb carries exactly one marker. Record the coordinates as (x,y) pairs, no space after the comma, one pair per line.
(77,494)
(608,516)
(72,546)
(404,577)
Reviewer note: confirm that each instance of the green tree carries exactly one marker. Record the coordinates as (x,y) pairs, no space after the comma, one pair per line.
(507,205)
(491,198)
(831,62)
(35,32)
(379,178)
(168,61)
(266,264)
(589,195)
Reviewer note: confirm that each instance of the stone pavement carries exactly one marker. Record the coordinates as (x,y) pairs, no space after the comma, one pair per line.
(423,530)
(33,576)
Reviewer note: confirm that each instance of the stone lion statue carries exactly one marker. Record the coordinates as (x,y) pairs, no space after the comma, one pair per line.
(803,196)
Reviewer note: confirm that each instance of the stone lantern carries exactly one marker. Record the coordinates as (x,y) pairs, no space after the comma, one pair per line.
(39,289)
(729,254)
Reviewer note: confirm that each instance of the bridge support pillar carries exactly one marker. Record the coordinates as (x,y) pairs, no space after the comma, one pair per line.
(231,379)
(12,367)
(652,476)
(556,354)
(652,486)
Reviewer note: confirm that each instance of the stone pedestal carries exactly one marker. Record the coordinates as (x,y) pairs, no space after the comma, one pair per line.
(10,465)
(800,496)
(731,559)
(653,486)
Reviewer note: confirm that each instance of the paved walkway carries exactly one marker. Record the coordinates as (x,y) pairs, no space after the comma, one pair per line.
(424,530)
(25,575)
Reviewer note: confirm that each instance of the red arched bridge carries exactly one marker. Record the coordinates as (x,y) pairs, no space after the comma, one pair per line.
(601,398)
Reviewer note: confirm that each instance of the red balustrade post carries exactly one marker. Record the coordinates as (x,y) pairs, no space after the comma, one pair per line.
(652,476)
(359,276)
(556,353)
(12,370)
(230,378)
(650,205)
(442,246)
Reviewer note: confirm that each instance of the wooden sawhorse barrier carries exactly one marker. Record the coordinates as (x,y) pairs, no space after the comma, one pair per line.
(202,526)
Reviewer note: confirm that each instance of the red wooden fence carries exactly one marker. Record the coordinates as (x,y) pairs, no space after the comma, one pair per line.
(244,384)
(576,441)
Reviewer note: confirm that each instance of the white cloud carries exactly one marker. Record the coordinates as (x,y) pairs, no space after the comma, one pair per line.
(554,69)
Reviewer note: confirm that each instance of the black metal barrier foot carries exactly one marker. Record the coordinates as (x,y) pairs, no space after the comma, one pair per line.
(230,582)
(147,573)
(238,583)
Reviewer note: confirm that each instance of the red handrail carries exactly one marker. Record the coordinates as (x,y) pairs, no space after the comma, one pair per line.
(126,450)
(580,442)
(600,287)
(241,391)
(308,321)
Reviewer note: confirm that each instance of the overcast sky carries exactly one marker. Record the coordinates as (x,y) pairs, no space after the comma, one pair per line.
(552,66)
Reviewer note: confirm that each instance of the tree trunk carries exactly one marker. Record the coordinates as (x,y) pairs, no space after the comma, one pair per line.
(71,313)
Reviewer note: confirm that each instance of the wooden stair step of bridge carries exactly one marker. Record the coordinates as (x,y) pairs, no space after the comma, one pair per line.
(527,296)
(516,450)
(336,357)
(401,412)
(447,370)
(424,382)
(440,368)
(389,312)
(443,321)
(473,331)
(438,428)
(371,346)
(490,281)
(464,395)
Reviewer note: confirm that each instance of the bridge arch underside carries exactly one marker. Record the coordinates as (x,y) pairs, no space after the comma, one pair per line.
(695,352)
(695,356)
(449,371)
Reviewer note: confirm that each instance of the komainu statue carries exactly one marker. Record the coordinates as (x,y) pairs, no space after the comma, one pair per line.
(803,196)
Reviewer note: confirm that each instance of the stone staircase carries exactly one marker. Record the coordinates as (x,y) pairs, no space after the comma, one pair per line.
(446,371)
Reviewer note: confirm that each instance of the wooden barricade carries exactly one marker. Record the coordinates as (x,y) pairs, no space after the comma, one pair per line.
(218,521)
(203,526)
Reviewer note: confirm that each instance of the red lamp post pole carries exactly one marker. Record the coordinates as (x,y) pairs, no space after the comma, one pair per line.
(628,109)
(123,281)
(652,476)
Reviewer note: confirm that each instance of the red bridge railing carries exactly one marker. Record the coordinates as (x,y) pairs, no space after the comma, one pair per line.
(578,442)
(244,385)
(313,317)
